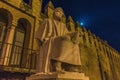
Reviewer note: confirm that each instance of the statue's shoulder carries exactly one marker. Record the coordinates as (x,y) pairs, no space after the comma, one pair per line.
(48,20)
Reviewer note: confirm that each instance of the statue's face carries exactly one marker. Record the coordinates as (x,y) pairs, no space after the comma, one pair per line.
(58,14)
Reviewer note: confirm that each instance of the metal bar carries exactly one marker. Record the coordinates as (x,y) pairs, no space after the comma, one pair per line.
(15,54)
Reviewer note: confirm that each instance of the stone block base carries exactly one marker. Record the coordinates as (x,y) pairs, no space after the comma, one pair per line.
(58,76)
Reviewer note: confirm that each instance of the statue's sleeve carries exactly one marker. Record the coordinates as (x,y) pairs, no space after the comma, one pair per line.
(42,31)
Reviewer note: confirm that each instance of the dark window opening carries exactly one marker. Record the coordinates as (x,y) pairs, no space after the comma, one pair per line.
(26,1)
(20,50)
(18,45)
(3,27)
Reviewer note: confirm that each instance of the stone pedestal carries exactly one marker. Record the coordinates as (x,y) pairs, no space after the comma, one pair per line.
(58,76)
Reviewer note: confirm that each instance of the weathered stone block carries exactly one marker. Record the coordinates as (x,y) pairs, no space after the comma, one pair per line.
(58,76)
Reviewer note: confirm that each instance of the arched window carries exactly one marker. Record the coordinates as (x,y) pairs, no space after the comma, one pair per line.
(5,23)
(20,35)
(21,43)
(19,39)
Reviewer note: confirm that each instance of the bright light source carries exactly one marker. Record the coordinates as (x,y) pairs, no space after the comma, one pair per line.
(81,23)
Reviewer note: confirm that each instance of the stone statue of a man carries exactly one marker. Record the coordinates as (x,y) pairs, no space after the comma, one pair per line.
(58,45)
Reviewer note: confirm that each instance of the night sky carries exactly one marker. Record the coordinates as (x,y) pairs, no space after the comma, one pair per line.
(102,17)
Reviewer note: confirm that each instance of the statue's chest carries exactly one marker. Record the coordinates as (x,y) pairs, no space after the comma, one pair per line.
(58,29)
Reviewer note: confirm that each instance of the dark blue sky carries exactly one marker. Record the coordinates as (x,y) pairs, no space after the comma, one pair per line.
(102,17)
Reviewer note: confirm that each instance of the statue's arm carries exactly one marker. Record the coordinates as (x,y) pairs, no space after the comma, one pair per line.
(44,32)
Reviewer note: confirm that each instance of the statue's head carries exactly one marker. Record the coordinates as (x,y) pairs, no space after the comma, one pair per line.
(58,13)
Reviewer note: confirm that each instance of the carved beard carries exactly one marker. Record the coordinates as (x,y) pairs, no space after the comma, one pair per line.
(56,17)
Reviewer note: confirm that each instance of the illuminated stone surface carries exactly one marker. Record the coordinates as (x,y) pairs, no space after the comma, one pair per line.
(56,76)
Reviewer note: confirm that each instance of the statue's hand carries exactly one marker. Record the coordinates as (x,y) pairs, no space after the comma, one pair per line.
(75,38)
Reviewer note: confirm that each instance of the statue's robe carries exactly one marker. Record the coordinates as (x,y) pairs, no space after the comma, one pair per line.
(56,45)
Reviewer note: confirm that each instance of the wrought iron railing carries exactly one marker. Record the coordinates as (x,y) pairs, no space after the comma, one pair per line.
(17,57)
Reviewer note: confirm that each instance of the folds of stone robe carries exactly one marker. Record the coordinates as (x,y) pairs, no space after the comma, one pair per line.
(56,45)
